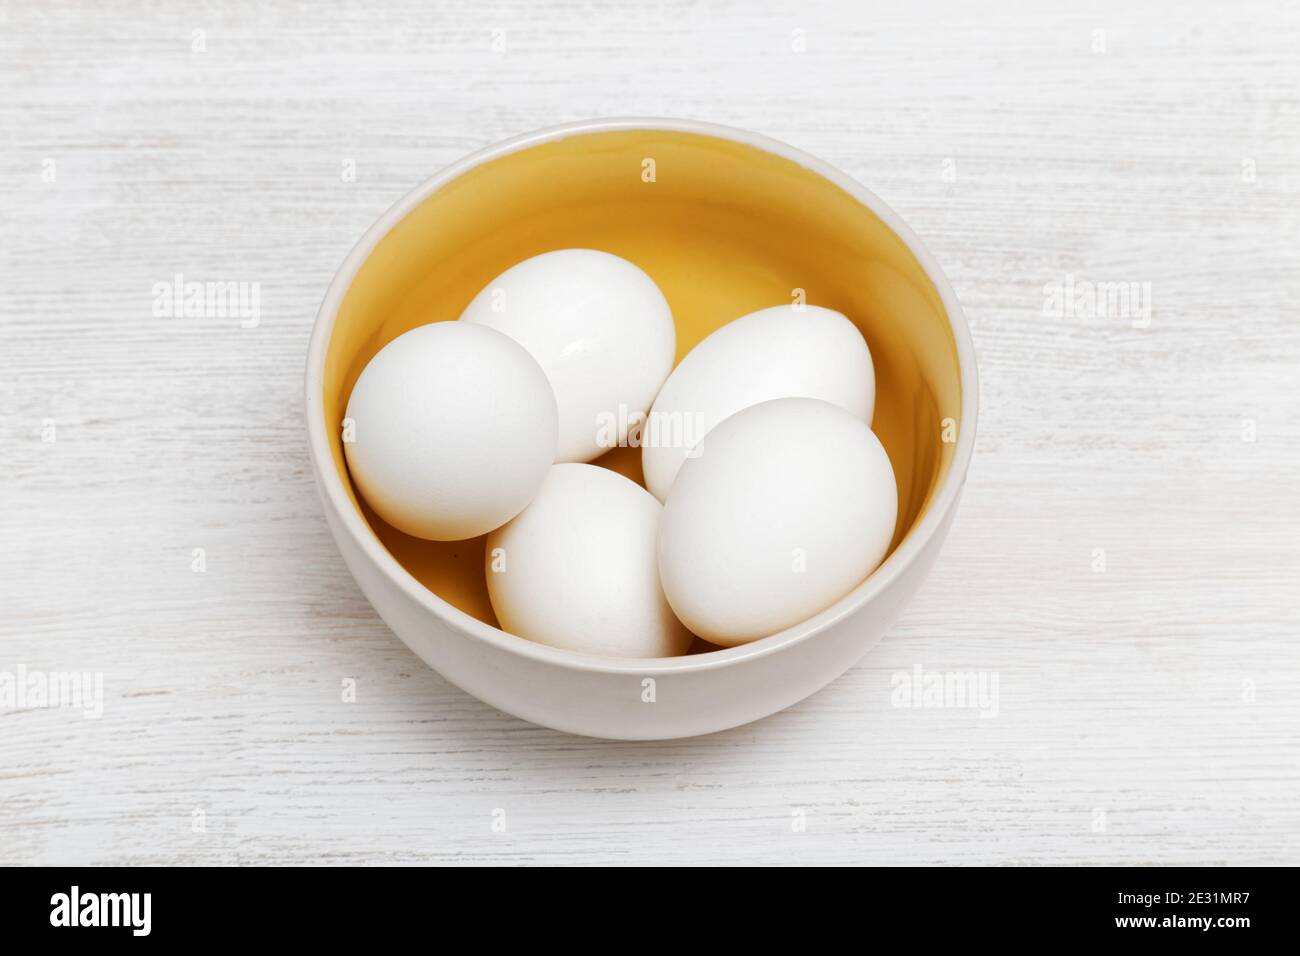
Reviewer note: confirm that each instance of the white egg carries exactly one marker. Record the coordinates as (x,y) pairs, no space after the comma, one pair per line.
(452,430)
(601,330)
(790,506)
(779,352)
(578,569)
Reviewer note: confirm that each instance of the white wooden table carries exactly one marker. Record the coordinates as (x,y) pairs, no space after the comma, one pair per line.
(1126,561)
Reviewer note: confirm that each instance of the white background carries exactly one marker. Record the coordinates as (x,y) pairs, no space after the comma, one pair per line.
(1148,712)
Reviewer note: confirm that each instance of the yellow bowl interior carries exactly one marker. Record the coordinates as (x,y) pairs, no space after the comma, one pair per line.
(723,228)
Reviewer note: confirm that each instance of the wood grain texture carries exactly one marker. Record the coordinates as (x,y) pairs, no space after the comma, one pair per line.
(1163,692)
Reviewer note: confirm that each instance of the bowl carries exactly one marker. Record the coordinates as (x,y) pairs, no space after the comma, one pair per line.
(726,222)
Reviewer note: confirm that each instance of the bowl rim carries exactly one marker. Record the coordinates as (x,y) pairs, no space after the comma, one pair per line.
(908,551)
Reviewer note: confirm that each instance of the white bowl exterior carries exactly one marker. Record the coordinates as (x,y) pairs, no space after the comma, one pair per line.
(687,701)
(605,697)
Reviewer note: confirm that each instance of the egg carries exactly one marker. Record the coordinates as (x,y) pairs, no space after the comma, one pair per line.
(780,352)
(578,569)
(450,430)
(790,505)
(601,330)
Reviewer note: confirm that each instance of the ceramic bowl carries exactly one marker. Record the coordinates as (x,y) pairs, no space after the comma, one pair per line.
(726,222)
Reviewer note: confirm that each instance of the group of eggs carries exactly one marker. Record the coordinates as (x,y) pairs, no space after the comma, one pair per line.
(767,496)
